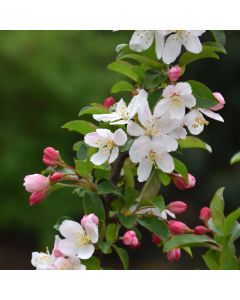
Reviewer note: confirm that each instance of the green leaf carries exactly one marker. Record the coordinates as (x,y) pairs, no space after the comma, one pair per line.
(150,189)
(127,146)
(153,79)
(215,46)
(82,127)
(82,150)
(105,247)
(120,47)
(228,259)
(203,94)
(142,59)
(235,159)
(93,204)
(124,68)
(211,259)
(107,187)
(156,226)
(83,168)
(130,196)
(92,263)
(112,232)
(219,36)
(101,174)
(127,221)
(188,251)
(236,232)
(128,173)
(90,110)
(217,209)
(122,86)
(123,255)
(159,203)
(181,168)
(164,178)
(231,221)
(188,240)
(194,142)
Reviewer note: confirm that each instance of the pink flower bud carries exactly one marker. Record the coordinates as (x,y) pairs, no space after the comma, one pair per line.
(174,73)
(37,197)
(36,183)
(177,207)
(56,176)
(177,227)
(174,255)
(108,102)
(221,101)
(180,182)
(92,218)
(51,156)
(130,239)
(156,239)
(201,230)
(205,214)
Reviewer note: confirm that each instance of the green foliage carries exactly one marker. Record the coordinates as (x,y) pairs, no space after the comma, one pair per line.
(155,225)
(80,126)
(159,203)
(107,187)
(194,142)
(181,168)
(92,263)
(93,204)
(90,110)
(125,68)
(217,209)
(105,247)
(112,232)
(122,86)
(153,79)
(123,255)
(83,168)
(219,36)
(127,221)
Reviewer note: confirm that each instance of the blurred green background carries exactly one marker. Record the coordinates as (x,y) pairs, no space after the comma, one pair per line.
(46,77)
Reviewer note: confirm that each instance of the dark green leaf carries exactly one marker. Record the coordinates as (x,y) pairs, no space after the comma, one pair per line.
(82,127)
(231,221)
(159,203)
(82,150)
(217,209)
(153,79)
(219,36)
(105,247)
(112,232)
(83,168)
(130,196)
(93,204)
(128,174)
(194,142)
(127,221)
(155,225)
(123,255)
(122,86)
(142,59)
(228,259)
(164,178)
(107,187)
(150,189)
(181,168)
(127,146)
(101,174)
(92,263)
(124,68)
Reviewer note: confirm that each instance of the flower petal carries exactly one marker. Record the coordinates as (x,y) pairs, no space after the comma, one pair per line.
(211,114)
(114,154)
(189,100)
(136,102)
(92,231)
(101,156)
(159,42)
(144,114)
(134,129)
(107,117)
(183,88)
(68,247)
(94,140)
(139,148)
(172,49)
(192,44)
(144,169)
(70,229)
(169,91)
(162,107)
(141,40)
(165,162)
(177,111)
(120,137)
(105,133)
(85,251)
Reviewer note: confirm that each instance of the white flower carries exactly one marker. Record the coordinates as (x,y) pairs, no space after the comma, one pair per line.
(143,39)
(195,120)
(43,261)
(107,142)
(123,113)
(148,153)
(176,98)
(78,240)
(188,38)
(69,263)
(154,211)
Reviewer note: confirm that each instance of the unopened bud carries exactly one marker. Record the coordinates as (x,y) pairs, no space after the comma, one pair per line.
(177,227)
(56,176)
(51,156)
(177,207)
(205,214)
(174,255)
(156,239)
(108,102)
(221,102)
(174,73)
(130,239)
(201,230)
(181,184)
(92,218)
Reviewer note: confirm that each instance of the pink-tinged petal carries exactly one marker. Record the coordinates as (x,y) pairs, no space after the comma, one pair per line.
(212,114)
(120,137)
(172,49)
(159,42)
(94,140)
(177,111)
(134,129)
(189,100)
(68,247)
(183,88)
(169,91)
(141,40)
(192,43)
(114,154)
(165,162)
(100,157)
(162,107)
(105,133)
(70,229)
(107,117)
(144,169)
(85,251)
(92,232)
(35,183)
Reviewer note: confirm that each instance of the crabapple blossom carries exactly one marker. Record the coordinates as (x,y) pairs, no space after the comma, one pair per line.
(188,38)
(36,183)
(174,73)
(108,102)
(130,239)
(89,218)
(148,153)
(175,99)
(123,112)
(195,120)
(201,230)
(177,207)
(174,255)
(181,184)
(205,214)
(107,142)
(78,240)
(51,156)
(221,101)
(154,211)
(177,227)
(143,39)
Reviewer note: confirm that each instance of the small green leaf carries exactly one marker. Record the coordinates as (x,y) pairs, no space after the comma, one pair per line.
(235,159)
(130,196)
(122,86)
(93,204)
(92,263)
(219,36)
(90,110)
(82,127)
(123,255)
(217,209)
(142,59)
(188,240)
(231,221)
(112,232)
(128,173)
(165,178)
(203,94)
(124,68)
(194,142)
(155,225)
(150,189)
(127,146)
(82,150)
(127,221)
(153,79)
(105,247)
(159,203)
(211,259)
(188,251)
(236,232)
(83,168)
(107,187)
(181,168)
(228,259)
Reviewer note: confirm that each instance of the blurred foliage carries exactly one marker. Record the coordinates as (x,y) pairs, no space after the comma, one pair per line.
(46,77)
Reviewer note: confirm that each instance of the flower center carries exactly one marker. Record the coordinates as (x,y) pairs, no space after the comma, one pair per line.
(176,100)
(82,239)
(200,121)
(124,113)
